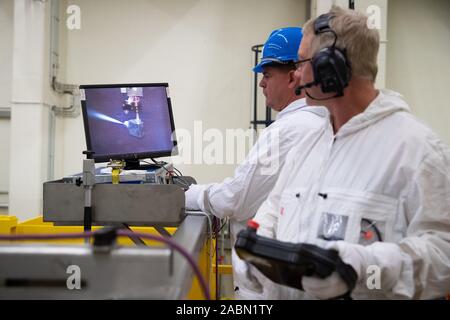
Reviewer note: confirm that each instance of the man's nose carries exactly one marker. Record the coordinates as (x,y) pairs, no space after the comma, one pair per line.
(262,83)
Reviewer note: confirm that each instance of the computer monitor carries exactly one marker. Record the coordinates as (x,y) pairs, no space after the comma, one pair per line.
(128,121)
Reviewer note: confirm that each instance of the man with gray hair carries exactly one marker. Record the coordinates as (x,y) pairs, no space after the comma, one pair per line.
(375,185)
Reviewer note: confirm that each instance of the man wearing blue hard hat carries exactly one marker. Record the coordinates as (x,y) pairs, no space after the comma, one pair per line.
(277,67)
(240,196)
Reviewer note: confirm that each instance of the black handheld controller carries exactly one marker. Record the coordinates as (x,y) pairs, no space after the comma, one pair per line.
(286,263)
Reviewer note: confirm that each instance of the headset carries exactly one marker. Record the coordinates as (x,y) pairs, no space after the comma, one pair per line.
(331,67)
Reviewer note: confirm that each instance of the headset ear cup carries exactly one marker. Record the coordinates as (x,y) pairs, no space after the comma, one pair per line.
(326,72)
(320,65)
(331,70)
(343,66)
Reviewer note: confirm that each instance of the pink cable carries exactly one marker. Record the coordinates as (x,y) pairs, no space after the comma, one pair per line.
(19,237)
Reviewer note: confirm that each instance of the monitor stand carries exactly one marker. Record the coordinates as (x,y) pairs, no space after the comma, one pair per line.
(135,165)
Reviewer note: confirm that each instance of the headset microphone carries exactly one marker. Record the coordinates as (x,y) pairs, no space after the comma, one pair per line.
(298,90)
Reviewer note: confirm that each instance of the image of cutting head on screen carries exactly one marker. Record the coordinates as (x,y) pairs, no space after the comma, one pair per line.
(133,104)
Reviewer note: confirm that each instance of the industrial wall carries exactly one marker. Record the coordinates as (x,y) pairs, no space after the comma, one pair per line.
(417,59)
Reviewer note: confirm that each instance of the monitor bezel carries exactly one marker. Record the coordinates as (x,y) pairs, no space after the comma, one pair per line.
(127,156)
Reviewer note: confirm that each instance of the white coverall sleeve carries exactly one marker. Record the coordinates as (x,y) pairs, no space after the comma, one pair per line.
(192,196)
(427,242)
(240,196)
(267,215)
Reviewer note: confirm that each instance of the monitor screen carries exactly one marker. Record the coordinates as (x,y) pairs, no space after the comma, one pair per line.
(128,121)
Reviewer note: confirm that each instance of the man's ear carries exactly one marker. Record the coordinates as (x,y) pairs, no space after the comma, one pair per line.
(292,79)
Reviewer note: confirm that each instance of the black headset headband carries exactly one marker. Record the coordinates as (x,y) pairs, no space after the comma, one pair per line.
(322,23)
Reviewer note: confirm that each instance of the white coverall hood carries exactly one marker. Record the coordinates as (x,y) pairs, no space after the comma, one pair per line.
(386,103)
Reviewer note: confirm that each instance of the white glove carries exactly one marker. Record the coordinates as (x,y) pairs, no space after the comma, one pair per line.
(250,281)
(333,286)
(193,194)
(388,257)
(328,288)
(395,266)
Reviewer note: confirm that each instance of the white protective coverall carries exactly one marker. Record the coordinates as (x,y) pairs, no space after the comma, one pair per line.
(383,166)
(240,196)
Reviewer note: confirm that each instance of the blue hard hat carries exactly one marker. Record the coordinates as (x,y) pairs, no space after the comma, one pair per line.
(281,47)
